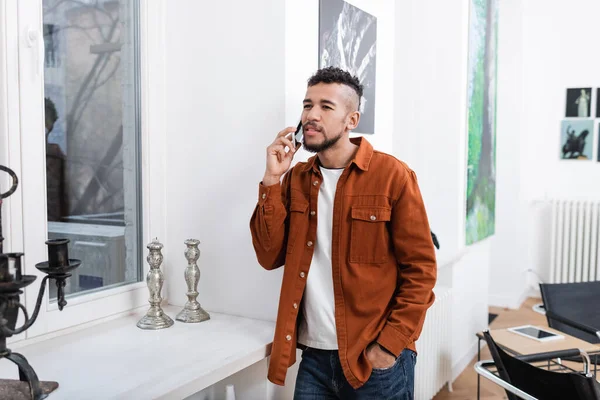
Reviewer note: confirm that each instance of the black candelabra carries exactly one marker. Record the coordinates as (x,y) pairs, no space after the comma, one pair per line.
(12,283)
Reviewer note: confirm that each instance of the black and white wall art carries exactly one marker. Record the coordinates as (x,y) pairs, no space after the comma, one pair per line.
(348,40)
(598,153)
(579,101)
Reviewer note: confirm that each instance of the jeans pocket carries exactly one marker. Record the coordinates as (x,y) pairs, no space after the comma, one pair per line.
(387,369)
(396,382)
(413,356)
(304,351)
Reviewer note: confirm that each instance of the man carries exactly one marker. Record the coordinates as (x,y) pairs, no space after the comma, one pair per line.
(351,229)
(56,191)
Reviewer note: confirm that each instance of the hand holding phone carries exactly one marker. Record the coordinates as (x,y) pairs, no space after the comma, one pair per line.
(279,156)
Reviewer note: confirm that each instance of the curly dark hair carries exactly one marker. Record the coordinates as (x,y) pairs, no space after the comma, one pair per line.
(337,75)
(50,114)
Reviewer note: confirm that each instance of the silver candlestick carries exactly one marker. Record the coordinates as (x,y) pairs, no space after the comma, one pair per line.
(192,311)
(155,318)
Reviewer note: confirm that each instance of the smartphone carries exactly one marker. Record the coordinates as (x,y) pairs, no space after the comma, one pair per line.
(298,136)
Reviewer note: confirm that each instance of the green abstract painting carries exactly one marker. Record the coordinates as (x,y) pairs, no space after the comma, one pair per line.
(481,124)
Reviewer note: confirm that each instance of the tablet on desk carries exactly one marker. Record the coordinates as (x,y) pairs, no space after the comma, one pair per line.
(536,333)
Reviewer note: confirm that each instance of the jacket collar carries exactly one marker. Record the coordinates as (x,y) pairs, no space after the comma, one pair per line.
(361,159)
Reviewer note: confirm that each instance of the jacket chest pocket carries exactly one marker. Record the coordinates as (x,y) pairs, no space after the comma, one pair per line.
(297,215)
(369,239)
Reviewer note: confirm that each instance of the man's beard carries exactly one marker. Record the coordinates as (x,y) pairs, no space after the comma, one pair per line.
(325,145)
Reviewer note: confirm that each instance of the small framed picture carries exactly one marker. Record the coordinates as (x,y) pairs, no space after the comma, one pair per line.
(597,103)
(579,103)
(577,140)
(598,152)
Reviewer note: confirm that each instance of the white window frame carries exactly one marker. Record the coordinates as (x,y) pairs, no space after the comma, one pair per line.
(22,149)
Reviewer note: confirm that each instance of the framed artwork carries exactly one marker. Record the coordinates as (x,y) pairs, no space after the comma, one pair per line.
(576,139)
(578,103)
(598,152)
(348,40)
(481,121)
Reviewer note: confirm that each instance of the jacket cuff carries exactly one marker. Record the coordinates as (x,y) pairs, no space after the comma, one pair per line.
(392,340)
(265,192)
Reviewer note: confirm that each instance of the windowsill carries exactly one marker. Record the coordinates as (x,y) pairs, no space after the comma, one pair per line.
(116,359)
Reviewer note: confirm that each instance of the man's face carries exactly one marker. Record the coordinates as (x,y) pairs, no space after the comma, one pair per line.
(329,112)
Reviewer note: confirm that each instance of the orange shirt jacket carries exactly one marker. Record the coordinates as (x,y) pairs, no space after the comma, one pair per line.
(383,258)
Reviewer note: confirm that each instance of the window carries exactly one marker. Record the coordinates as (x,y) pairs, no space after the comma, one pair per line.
(92,139)
(82,90)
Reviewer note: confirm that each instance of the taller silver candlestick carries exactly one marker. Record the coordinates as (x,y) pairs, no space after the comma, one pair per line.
(155,318)
(192,311)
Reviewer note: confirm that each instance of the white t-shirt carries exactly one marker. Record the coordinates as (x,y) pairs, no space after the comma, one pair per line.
(317,328)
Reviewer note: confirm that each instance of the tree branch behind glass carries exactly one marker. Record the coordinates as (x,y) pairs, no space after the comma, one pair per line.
(89,73)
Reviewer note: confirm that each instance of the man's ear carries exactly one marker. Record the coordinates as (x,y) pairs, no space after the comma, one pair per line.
(353,120)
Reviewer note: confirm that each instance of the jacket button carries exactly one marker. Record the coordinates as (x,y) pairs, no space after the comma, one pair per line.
(295,305)
(309,243)
(373,218)
(313,212)
(315,183)
(302,274)
(288,338)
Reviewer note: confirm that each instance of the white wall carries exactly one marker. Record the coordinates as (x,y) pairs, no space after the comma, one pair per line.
(225,104)
(558,50)
(430,134)
(545,48)
(430,110)
(470,308)
(510,249)
(558,53)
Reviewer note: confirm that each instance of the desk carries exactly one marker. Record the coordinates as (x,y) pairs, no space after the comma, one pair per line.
(518,345)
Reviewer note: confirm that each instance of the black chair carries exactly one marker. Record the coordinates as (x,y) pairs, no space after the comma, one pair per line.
(522,380)
(572,308)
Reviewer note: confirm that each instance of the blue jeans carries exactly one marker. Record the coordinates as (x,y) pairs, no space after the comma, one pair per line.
(320,377)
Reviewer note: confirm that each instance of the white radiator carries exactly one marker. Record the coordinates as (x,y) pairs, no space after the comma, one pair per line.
(434,363)
(574,246)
